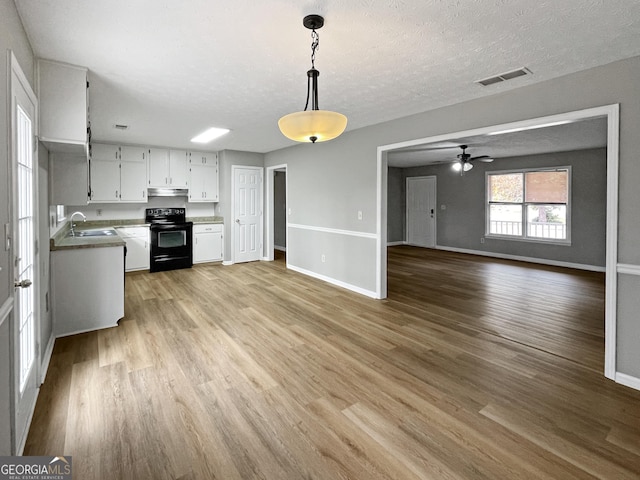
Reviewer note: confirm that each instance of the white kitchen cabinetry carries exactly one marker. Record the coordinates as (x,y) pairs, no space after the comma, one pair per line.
(133,174)
(207,243)
(137,240)
(168,168)
(87,289)
(104,173)
(118,174)
(68,177)
(63,107)
(203,177)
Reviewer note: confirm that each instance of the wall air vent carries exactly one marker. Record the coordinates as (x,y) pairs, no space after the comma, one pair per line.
(119,126)
(504,76)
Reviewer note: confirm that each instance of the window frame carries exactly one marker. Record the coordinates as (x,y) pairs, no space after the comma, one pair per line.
(524,237)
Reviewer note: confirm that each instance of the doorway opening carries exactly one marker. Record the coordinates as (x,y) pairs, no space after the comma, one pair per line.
(276,213)
(611,114)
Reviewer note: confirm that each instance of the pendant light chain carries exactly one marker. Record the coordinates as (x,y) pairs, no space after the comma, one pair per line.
(312,87)
(315,43)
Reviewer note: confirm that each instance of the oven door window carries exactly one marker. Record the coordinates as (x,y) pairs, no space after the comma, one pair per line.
(172,239)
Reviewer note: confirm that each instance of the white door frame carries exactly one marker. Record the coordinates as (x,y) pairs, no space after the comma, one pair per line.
(435,223)
(612,114)
(270,210)
(233,206)
(16,73)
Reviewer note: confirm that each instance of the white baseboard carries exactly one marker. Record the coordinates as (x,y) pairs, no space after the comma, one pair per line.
(47,358)
(278,247)
(333,281)
(226,263)
(395,244)
(628,380)
(541,261)
(68,334)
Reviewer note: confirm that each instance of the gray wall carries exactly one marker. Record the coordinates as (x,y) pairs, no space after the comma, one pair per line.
(320,198)
(396,205)
(12,37)
(227,159)
(280,209)
(462,223)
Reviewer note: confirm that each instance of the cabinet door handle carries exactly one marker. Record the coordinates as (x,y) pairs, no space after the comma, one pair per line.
(116,193)
(143,193)
(166,180)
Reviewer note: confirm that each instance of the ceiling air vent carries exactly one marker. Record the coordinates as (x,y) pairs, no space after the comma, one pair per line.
(504,76)
(121,127)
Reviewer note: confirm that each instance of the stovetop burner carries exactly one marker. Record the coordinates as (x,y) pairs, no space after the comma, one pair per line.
(170,216)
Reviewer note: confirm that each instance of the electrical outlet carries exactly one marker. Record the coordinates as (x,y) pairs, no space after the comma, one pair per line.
(99,212)
(359,214)
(481,239)
(323,258)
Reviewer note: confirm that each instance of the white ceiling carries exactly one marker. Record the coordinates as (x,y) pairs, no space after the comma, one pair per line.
(172,68)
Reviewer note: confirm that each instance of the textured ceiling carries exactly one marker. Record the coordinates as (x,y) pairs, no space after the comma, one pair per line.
(582,135)
(172,68)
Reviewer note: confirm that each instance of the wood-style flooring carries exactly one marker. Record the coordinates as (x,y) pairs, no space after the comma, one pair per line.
(473,368)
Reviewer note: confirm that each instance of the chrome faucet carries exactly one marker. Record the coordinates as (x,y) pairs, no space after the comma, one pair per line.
(73,225)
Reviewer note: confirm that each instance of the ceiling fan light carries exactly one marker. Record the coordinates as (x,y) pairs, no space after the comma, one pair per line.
(457,166)
(312,125)
(467,166)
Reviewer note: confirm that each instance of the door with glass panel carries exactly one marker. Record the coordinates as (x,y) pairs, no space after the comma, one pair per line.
(25,319)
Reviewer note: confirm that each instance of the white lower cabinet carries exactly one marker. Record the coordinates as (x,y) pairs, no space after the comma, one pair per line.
(137,240)
(207,243)
(87,289)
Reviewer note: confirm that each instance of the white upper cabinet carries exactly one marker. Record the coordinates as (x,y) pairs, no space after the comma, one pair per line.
(104,173)
(204,178)
(133,174)
(118,174)
(158,167)
(63,107)
(167,168)
(178,168)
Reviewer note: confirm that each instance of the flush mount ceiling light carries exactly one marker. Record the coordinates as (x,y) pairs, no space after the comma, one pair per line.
(313,125)
(209,135)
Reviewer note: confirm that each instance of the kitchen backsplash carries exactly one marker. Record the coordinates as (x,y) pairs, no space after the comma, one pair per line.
(128,211)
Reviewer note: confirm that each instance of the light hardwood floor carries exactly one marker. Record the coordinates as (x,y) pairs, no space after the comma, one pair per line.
(472,369)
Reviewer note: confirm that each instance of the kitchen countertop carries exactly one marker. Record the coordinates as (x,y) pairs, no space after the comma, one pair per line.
(60,241)
(200,220)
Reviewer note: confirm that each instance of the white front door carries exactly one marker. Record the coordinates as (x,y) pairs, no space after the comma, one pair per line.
(25,326)
(247,214)
(421,211)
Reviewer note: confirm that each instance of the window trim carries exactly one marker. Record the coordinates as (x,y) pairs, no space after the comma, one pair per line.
(524,237)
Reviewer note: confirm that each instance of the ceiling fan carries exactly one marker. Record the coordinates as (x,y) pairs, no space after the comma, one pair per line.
(463,164)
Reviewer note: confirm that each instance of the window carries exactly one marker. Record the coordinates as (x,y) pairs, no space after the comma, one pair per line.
(529,204)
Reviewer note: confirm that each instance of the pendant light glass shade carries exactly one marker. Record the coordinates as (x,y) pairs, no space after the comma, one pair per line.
(312,125)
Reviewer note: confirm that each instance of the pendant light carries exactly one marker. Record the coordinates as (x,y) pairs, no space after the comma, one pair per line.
(313,125)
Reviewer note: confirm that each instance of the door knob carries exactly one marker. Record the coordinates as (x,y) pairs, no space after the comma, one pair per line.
(23,284)
(238,221)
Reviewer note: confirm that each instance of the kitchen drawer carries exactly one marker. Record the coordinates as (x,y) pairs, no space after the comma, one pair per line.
(208,228)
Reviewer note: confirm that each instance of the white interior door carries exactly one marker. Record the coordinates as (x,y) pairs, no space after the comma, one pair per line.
(24,172)
(421,211)
(247,214)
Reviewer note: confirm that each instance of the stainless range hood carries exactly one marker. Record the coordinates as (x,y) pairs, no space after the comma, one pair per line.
(167,192)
